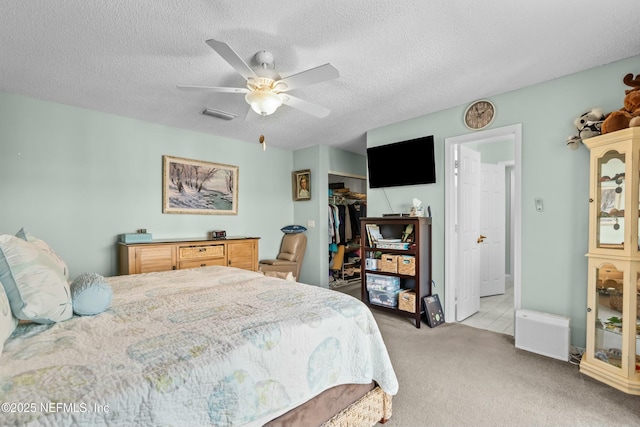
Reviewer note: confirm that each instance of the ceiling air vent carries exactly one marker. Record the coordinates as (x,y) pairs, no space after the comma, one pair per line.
(219,114)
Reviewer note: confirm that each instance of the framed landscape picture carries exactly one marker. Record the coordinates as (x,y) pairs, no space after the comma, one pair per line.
(198,187)
(301,182)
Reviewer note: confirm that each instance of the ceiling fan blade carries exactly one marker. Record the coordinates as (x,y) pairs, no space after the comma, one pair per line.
(232,58)
(215,89)
(305,78)
(305,106)
(251,116)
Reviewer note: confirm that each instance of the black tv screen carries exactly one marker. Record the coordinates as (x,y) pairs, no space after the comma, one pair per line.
(408,162)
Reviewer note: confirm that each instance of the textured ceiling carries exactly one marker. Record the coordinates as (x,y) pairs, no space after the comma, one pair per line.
(397,59)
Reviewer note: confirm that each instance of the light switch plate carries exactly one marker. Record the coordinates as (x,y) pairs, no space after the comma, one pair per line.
(311,223)
(539,206)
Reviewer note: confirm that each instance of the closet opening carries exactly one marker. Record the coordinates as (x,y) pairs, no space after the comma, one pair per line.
(347,204)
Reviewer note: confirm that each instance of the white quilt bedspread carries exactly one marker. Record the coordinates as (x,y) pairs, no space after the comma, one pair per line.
(213,346)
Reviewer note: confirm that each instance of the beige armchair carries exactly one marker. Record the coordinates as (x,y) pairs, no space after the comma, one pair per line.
(290,258)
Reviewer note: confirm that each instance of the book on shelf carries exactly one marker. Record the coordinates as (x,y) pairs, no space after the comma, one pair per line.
(394,245)
(373,233)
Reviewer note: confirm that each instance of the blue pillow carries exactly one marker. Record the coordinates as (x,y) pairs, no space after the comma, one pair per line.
(90,294)
(292,229)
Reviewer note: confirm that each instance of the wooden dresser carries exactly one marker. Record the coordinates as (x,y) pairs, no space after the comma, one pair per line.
(162,255)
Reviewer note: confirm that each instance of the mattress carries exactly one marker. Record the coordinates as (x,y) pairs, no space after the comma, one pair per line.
(209,346)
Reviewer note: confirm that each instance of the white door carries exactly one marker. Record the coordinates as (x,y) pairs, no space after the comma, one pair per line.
(492,229)
(468,286)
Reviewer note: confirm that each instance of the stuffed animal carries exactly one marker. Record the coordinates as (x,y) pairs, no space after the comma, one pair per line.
(629,115)
(587,125)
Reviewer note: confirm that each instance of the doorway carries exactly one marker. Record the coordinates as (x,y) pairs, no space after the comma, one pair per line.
(456,277)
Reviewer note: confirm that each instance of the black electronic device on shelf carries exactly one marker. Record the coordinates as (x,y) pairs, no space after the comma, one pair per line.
(218,234)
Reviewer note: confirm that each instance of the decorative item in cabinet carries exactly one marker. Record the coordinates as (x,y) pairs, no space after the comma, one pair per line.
(390,259)
(612,353)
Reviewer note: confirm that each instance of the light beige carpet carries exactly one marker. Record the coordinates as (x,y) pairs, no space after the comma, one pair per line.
(457,375)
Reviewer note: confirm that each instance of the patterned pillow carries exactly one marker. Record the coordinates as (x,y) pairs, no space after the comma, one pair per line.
(35,285)
(292,229)
(90,294)
(7,321)
(44,247)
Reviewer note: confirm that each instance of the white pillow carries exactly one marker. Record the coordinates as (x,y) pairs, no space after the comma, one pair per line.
(7,321)
(44,247)
(35,285)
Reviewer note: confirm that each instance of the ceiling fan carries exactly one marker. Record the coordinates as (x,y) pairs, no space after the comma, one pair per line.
(266,90)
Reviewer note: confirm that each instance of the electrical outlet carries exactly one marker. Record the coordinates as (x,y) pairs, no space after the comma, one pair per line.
(311,223)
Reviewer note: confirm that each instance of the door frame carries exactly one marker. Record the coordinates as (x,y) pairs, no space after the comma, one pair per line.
(514,133)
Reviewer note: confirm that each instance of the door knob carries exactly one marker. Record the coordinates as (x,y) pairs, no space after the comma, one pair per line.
(481,238)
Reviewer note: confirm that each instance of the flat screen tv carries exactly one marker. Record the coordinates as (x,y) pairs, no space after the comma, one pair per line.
(408,162)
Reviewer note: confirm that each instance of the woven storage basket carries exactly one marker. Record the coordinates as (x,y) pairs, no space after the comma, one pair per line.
(407,300)
(369,410)
(407,265)
(615,302)
(192,252)
(388,263)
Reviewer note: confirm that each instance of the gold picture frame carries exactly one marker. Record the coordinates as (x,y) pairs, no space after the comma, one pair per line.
(199,187)
(301,184)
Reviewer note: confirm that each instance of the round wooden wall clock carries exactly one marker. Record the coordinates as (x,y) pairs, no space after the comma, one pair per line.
(479,114)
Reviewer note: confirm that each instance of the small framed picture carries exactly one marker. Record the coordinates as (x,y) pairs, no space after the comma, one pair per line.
(301,182)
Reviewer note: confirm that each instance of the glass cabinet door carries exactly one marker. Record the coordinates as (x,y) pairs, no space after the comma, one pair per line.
(609,314)
(636,307)
(611,197)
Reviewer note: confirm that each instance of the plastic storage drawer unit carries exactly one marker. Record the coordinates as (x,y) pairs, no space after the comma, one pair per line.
(382,283)
(378,282)
(387,299)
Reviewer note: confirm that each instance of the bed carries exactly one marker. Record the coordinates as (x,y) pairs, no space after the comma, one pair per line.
(213,346)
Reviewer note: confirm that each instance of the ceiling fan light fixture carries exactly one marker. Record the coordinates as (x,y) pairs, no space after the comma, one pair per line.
(263,102)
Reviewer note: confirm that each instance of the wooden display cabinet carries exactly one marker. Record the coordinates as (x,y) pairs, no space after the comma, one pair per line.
(613,325)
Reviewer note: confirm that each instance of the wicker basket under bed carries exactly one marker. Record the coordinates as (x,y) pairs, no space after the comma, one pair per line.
(371,409)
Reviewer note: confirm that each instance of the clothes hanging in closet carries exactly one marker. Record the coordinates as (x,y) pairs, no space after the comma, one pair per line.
(357,210)
(344,222)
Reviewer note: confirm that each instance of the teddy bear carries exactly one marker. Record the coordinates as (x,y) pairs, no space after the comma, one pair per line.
(629,115)
(587,125)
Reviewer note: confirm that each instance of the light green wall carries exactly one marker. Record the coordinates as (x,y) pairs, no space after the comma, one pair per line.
(554,242)
(495,152)
(78,178)
(321,160)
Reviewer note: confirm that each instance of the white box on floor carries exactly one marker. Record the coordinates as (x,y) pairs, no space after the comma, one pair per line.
(543,333)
